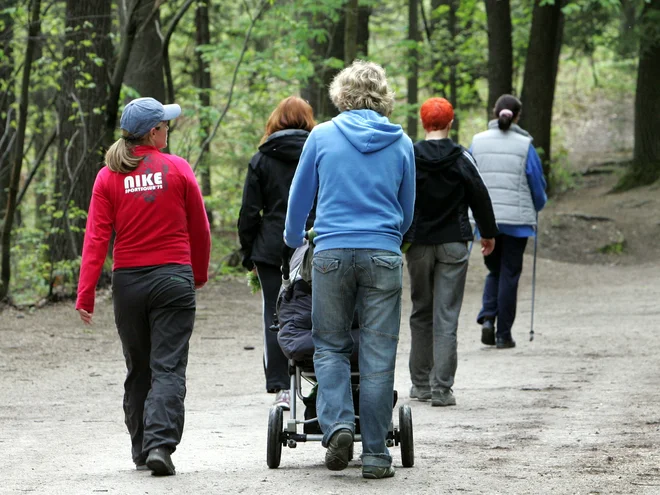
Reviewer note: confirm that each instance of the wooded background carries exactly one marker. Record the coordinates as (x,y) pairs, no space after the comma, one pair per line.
(67,67)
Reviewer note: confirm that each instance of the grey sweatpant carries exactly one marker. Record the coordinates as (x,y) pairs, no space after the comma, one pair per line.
(437,282)
(154,313)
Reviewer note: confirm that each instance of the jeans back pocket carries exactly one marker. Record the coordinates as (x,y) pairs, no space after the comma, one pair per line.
(388,261)
(324,265)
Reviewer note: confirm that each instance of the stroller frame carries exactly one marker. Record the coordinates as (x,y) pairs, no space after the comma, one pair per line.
(280,435)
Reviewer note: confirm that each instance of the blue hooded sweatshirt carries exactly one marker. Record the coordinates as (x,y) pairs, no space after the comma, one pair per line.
(363,168)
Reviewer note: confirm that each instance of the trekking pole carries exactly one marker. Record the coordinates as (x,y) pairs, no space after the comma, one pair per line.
(536,242)
(474,234)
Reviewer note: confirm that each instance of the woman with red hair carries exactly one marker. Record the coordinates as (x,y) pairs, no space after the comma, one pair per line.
(261,221)
(448,183)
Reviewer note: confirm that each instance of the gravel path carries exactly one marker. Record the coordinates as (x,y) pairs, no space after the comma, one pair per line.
(576,411)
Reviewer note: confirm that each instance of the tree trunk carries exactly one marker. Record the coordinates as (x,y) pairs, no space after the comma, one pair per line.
(351,34)
(540,76)
(315,90)
(17,153)
(144,72)
(84,88)
(437,81)
(362,41)
(453,64)
(646,154)
(500,51)
(413,67)
(204,86)
(7,113)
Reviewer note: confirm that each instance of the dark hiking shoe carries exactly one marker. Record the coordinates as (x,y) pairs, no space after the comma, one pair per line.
(160,462)
(443,398)
(488,332)
(339,447)
(376,472)
(505,343)
(419,394)
(141,467)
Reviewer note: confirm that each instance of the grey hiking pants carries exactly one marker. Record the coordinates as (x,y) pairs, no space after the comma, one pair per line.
(154,313)
(437,282)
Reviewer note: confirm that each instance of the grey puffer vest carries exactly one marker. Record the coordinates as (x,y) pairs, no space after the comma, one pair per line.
(502,158)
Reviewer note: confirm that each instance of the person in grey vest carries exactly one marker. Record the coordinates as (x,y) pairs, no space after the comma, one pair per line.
(448,183)
(512,172)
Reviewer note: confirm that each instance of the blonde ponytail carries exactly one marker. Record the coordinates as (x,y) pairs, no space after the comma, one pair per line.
(120,158)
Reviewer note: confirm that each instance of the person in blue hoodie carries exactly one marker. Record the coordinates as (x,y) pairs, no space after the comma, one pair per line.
(512,172)
(363,169)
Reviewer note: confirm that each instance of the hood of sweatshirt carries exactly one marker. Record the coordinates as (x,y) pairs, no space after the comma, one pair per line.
(285,145)
(436,154)
(366,130)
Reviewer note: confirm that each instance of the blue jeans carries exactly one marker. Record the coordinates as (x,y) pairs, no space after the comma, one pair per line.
(371,280)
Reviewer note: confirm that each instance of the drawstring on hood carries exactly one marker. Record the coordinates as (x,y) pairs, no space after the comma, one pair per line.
(366,130)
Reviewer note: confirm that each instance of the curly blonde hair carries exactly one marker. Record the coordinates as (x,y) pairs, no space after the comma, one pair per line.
(362,85)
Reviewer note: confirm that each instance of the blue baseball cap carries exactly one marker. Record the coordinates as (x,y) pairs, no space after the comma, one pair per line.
(143,114)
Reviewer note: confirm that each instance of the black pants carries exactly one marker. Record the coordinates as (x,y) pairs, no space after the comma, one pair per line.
(500,296)
(276,365)
(154,313)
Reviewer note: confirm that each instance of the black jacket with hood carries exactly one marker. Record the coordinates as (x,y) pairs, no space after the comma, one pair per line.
(448,182)
(265,197)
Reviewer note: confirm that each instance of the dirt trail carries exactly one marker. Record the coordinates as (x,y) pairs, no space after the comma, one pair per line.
(575,411)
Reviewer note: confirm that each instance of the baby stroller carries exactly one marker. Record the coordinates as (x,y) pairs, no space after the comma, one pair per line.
(294,324)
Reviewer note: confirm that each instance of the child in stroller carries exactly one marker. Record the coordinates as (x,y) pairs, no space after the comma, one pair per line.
(294,326)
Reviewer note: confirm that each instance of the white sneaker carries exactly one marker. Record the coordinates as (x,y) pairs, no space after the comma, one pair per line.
(283,399)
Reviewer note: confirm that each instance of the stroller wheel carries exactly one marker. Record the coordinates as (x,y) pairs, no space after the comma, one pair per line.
(274,443)
(406,436)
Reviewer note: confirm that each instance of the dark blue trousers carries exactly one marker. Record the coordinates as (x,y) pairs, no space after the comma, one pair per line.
(501,288)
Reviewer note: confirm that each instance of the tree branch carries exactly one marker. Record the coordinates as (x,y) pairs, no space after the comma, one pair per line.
(117,78)
(166,49)
(427,27)
(36,165)
(10,85)
(210,137)
(33,31)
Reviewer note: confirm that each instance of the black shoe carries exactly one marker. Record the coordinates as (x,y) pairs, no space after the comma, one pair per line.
(339,447)
(488,332)
(160,462)
(505,343)
(377,473)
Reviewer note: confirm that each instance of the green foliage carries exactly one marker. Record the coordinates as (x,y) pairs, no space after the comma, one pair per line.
(613,248)
(562,178)
(278,61)
(30,267)
(253,282)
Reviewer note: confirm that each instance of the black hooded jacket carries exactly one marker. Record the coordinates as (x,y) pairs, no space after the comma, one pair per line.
(448,182)
(265,197)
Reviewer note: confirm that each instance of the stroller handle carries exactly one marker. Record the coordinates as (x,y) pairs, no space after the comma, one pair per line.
(287,252)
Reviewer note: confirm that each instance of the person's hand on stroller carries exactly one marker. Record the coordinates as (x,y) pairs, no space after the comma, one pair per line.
(310,235)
